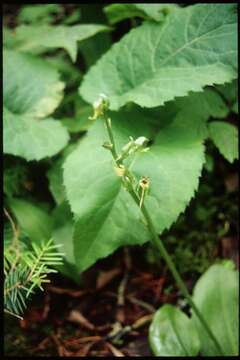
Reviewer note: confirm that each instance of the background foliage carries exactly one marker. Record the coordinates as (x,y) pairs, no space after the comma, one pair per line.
(170,73)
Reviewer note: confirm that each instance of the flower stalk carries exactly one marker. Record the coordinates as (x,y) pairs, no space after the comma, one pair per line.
(128,182)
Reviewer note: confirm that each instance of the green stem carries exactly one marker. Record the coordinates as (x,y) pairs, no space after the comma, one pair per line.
(111,138)
(158,244)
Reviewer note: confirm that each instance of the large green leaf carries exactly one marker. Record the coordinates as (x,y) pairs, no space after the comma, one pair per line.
(30,85)
(225,137)
(32,138)
(119,12)
(32,220)
(207,103)
(172,333)
(28,95)
(106,215)
(38,37)
(196,46)
(216,296)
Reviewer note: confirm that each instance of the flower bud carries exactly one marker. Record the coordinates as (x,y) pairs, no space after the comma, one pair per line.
(100,106)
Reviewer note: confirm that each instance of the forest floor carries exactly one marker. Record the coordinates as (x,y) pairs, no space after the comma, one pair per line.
(108,313)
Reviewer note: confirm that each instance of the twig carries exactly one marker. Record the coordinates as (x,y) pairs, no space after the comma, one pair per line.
(84,339)
(70,292)
(115,351)
(137,324)
(77,317)
(14,228)
(15,241)
(142,321)
(41,345)
(122,288)
(85,350)
(105,277)
(141,303)
(60,348)
(127,259)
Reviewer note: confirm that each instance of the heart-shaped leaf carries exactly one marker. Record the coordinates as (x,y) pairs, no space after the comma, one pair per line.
(172,333)
(106,215)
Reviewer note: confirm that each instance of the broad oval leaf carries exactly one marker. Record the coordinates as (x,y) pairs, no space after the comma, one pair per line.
(216,296)
(172,333)
(107,217)
(225,137)
(32,138)
(194,47)
(38,37)
(30,85)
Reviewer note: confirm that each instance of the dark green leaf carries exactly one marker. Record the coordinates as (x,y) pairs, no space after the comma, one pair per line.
(172,333)
(225,137)
(216,296)
(104,210)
